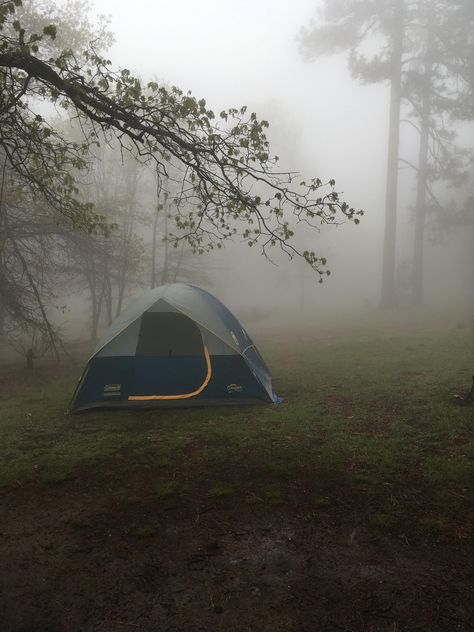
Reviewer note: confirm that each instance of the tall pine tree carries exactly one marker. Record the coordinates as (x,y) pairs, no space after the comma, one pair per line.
(423,49)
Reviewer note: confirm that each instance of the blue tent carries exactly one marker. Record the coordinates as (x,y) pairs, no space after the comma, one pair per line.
(177,345)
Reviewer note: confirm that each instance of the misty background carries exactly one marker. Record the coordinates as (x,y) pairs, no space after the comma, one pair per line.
(323,123)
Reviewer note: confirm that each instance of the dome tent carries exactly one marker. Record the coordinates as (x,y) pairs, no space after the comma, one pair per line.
(176,345)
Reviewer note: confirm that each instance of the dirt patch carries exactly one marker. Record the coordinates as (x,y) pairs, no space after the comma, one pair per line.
(106,553)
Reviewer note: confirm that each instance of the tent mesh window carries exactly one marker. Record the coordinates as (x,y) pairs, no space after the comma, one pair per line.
(168,334)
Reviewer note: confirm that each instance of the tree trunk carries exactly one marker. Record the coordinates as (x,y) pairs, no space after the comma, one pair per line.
(127,253)
(2,320)
(388,290)
(121,294)
(472,269)
(96,304)
(166,262)
(34,288)
(153,250)
(155,230)
(179,262)
(108,295)
(420,207)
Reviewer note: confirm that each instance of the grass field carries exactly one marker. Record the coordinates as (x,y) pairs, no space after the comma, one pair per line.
(368,447)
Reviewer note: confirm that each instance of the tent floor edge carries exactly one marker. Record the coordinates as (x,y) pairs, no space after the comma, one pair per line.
(168,404)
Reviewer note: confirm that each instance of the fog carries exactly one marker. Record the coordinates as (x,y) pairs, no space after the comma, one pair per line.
(304,460)
(323,123)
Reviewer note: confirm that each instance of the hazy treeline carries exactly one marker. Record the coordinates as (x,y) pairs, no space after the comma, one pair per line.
(415,243)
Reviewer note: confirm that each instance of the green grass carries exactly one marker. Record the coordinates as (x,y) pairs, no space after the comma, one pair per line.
(370,418)
(147,531)
(166,488)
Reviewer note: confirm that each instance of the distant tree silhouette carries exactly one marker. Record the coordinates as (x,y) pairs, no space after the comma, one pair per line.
(423,48)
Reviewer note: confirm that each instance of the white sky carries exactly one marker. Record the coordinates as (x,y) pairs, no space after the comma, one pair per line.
(236,53)
(322,123)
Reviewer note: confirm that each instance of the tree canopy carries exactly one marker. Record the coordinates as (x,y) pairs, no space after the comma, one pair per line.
(229,183)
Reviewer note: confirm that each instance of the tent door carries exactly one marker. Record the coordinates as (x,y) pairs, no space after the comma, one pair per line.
(171,361)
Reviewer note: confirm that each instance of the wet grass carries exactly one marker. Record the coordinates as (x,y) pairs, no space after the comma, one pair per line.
(369,421)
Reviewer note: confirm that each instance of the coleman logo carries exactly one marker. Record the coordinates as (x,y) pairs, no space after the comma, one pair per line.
(111,390)
(234,388)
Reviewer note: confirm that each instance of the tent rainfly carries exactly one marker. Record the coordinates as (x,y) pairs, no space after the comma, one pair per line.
(176,345)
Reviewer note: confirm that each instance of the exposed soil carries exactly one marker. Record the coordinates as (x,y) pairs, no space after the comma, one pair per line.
(102,553)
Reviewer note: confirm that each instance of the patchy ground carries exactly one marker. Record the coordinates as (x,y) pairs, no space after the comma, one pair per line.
(346,508)
(101,552)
